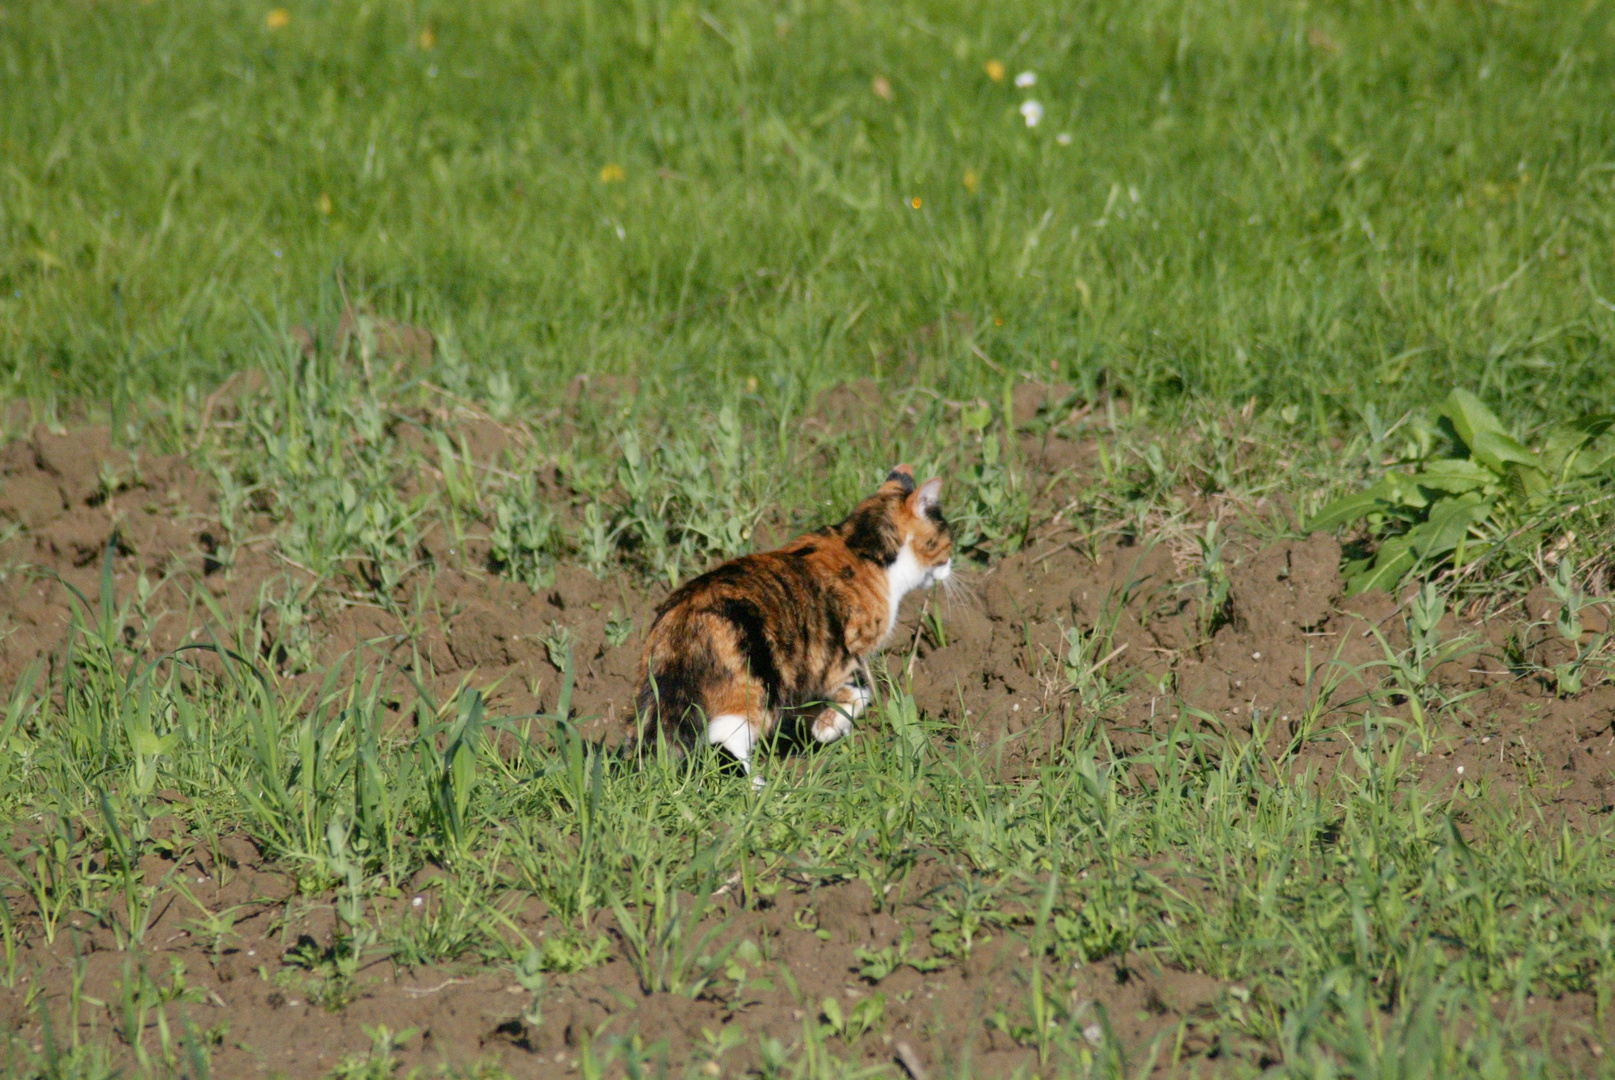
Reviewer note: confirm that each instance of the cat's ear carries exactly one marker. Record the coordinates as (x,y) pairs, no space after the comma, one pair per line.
(925,500)
(903,477)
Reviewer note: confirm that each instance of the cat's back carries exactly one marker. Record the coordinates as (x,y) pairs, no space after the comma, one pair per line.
(778,582)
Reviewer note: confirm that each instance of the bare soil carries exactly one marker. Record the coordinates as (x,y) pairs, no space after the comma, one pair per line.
(69,495)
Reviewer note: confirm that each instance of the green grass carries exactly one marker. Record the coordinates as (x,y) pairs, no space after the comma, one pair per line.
(1324,205)
(1335,211)
(1363,923)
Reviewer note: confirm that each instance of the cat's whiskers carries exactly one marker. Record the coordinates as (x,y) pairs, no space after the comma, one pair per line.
(960,588)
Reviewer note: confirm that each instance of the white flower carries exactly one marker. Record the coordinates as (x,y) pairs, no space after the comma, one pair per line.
(1033,112)
(1025,79)
(1064,138)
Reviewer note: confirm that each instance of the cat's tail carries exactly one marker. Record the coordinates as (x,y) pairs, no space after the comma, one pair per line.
(671,703)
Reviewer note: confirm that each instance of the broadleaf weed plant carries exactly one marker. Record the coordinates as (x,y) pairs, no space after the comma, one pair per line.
(1475,493)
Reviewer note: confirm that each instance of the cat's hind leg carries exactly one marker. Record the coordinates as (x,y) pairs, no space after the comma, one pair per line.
(734,733)
(738,722)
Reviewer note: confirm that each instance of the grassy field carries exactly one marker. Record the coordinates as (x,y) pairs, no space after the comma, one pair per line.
(1325,206)
(1241,258)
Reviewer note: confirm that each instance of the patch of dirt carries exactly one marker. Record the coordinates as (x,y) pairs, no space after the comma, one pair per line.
(1285,641)
(263,1014)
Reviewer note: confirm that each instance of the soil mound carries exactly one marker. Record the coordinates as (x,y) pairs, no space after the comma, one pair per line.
(1052,631)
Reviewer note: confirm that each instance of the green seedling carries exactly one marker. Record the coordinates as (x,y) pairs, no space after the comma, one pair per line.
(357,932)
(558,645)
(10,941)
(714,1045)
(530,977)
(1216,600)
(526,538)
(1410,671)
(21,708)
(1218,452)
(295,780)
(567,953)
(1044,1009)
(291,644)
(461,922)
(619,628)
(1322,683)
(53,874)
(213,928)
(743,963)
(852,1024)
(1569,675)
(571,885)
(597,540)
(335,967)
(453,773)
(876,965)
(139,997)
(991,509)
(1086,663)
(966,918)
(380,1063)
(501,394)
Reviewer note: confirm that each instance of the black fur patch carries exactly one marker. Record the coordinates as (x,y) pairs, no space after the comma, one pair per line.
(903,478)
(751,630)
(871,535)
(673,695)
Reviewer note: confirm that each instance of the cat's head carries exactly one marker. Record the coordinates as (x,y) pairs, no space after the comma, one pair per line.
(902,527)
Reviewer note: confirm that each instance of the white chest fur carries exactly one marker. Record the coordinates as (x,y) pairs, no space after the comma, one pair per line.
(906,574)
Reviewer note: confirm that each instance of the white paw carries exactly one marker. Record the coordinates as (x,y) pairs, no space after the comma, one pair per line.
(734,734)
(838,728)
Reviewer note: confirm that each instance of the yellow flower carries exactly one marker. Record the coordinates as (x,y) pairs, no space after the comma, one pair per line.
(995,70)
(972,181)
(915,202)
(277,18)
(426,39)
(613,174)
(323,204)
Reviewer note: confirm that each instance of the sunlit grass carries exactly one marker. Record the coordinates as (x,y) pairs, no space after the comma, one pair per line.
(1322,207)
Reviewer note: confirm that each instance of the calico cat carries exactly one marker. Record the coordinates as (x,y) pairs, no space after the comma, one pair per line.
(783,635)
